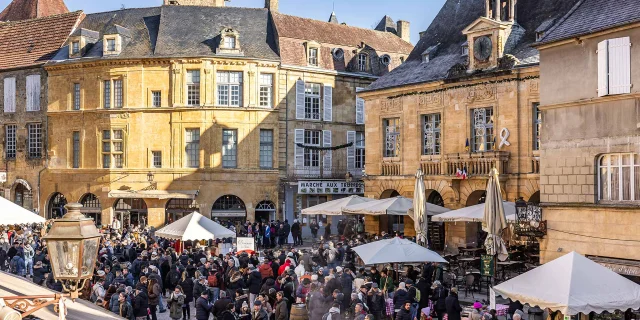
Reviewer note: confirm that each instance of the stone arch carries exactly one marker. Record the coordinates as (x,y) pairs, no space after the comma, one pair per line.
(229,209)
(400,186)
(475,197)
(389,193)
(91,207)
(449,195)
(535,198)
(21,194)
(55,206)
(466,189)
(530,187)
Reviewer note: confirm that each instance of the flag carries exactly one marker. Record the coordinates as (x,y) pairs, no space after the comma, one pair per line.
(465,175)
(495,147)
(466,145)
(458,172)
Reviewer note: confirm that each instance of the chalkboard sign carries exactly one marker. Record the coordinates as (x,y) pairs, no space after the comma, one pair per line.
(487,266)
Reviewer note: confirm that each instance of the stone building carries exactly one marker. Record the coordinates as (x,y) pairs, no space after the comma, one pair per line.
(465,101)
(152,118)
(590,155)
(23,93)
(322,140)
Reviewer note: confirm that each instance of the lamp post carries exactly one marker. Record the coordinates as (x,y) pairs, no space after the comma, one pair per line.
(348,177)
(73,243)
(150,177)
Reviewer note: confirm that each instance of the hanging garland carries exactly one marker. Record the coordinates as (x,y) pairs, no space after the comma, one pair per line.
(342,146)
(464,86)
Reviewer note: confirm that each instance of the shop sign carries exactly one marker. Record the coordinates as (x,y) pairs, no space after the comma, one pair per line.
(330,187)
(245,243)
(487,265)
(628,268)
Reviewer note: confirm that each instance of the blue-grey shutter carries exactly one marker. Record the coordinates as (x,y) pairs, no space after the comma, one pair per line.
(299,152)
(326,159)
(300,99)
(328,103)
(351,151)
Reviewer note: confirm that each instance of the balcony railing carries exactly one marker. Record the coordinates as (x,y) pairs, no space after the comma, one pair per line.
(535,165)
(391,169)
(339,173)
(477,164)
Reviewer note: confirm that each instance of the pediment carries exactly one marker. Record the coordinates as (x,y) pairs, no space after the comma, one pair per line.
(483,24)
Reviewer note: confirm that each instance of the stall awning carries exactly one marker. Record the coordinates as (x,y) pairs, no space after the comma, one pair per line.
(228,213)
(154,194)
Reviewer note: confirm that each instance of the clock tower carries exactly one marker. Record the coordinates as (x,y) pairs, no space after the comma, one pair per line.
(489,35)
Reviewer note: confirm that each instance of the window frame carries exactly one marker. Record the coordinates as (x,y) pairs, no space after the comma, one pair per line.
(536,125)
(311,156)
(76,96)
(117,86)
(394,123)
(359,145)
(489,139)
(75,149)
(35,140)
(75,47)
(111,44)
(229,42)
(363,62)
(435,120)
(313,59)
(113,157)
(265,92)
(156,98)
(266,149)
(156,159)
(634,173)
(192,148)
(10,148)
(226,83)
(311,98)
(106,92)
(193,87)
(229,148)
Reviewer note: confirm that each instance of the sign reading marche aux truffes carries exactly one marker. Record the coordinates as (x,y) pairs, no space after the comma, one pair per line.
(330,187)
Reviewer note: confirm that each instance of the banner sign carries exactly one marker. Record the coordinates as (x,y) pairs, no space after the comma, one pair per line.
(487,265)
(245,243)
(330,187)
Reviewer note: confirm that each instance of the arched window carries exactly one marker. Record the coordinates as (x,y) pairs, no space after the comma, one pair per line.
(23,196)
(56,209)
(178,208)
(91,208)
(229,210)
(619,177)
(265,211)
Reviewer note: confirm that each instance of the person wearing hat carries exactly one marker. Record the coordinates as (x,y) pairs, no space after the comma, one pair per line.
(405,311)
(400,296)
(175,302)
(439,296)
(476,314)
(39,273)
(203,306)
(258,312)
(375,301)
(453,305)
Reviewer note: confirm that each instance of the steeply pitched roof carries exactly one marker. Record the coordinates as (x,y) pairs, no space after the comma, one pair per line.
(31,9)
(589,16)
(387,25)
(331,33)
(333,18)
(34,41)
(446,30)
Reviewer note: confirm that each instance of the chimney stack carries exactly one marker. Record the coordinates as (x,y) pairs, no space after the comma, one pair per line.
(402,28)
(272,5)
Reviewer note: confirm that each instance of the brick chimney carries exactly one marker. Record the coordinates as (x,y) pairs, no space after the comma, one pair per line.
(402,28)
(272,5)
(204,3)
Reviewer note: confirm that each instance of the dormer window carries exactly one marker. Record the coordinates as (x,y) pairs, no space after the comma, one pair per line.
(539,35)
(114,39)
(230,42)
(313,56)
(80,41)
(362,62)
(75,47)
(385,60)
(542,29)
(465,49)
(425,58)
(428,54)
(111,45)
(338,53)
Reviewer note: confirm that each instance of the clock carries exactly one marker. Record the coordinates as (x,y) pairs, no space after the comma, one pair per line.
(482,48)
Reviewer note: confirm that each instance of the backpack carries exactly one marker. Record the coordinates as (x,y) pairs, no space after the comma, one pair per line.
(175,278)
(327,316)
(212,280)
(417,296)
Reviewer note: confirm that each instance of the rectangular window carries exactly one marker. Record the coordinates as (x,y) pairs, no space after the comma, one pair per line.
(311,156)
(75,47)
(431,134)
(156,98)
(33,92)
(266,89)
(229,148)
(76,96)
(313,56)
(193,87)
(619,177)
(107,94)
(312,101)
(117,93)
(230,42)
(359,146)
(229,88)
(34,140)
(9,94)
(157,159)
(192,148)
(482,130)
(76,149)
(391,137)
(113,148)
(111,44)
(537,125)
(10,141)
(362,62)
(266,149)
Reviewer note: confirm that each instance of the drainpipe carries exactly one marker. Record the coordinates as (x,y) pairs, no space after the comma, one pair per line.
(286,146)
(46,158)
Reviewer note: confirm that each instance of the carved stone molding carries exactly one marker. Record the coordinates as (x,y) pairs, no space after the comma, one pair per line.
(534,86)
(391,105)
(482,93)
(430,100)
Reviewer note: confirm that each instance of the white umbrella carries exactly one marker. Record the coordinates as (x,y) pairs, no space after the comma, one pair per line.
(420,209)
(572,284)
(399,206)
(474,213)
(494,218)
(334,207)
(395,250)
(11,213)
(195,227)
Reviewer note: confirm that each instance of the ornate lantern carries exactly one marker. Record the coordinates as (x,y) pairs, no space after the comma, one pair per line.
(529,220)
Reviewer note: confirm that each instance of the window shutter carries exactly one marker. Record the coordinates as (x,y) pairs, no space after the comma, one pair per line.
(326,159)
(351,151)
(328,103)
(359,111)
(603,68)
(10,95)
(619,65)
(33,92)
(300,100)
(299,152)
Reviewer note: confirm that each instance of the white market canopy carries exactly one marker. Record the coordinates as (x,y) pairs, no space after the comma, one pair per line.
(334,207)
(399,206)
(195,227)
(572,284)
(474,213)
(395,250)
(11,213)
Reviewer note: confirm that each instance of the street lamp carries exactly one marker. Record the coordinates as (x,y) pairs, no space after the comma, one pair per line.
(150,176)
(348,177)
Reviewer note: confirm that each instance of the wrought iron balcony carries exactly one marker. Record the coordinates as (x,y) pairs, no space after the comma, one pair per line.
(336,172)
(477,164)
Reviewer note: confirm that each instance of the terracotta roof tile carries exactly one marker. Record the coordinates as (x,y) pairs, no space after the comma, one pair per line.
(34,41)
(31,9)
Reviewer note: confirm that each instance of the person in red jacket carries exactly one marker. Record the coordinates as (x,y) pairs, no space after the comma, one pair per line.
(286,264)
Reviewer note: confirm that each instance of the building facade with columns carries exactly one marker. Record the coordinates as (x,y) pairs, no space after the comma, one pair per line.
(465,101)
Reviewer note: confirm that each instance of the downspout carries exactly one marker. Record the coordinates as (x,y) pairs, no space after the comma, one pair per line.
(46,158)
(286,146)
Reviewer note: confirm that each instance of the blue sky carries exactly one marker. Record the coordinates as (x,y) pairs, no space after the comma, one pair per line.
(361,13)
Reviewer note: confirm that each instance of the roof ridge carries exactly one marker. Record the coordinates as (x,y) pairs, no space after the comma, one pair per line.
(343,25)
(561,20)
(53,16)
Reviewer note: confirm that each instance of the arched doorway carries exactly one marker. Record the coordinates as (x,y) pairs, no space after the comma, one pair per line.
(178,208)
(435,229)
(131,212)
(91,208)
(265,211)
(391,223)
(229,210)
(55,209)
(389,193)
(23,196)
(476,197)
(535,198)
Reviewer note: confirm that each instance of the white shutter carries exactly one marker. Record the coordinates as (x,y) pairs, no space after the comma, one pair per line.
(326,159)
(328,103)
(619,65)
(10,95)
(33,92)
(299,152)
(351,151)
(300,100)
(603,68)
(359,108)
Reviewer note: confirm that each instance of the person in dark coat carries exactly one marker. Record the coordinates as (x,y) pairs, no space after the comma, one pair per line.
(172,279)
(228,314)
(296,232)
(317,303)
(425,293)
(281,309)
(453,305)
(140,302)
(439,297)
(187,287)
(254,282)
(258,312)
(203,307)
(405,311)
(346,282)
(221,305)
(327,231)
(376,303)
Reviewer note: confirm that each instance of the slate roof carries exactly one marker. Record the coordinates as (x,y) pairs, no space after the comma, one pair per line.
(590,16)
(331,33)
(333,18)
(386,24)
(33,42)
(446,30)
(31,9)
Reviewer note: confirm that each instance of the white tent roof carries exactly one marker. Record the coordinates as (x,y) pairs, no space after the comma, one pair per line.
(195,227)
(11,213)
(395,206)
(475,213)
(334,207)
(572,284)
(395,250)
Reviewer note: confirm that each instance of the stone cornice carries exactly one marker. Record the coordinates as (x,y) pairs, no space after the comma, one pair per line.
(583,102)
(79,64)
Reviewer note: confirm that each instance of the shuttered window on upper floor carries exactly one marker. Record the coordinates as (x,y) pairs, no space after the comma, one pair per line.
(614,66)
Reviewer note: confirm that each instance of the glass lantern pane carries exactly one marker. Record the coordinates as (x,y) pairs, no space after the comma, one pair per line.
(90,256)
(65,257)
